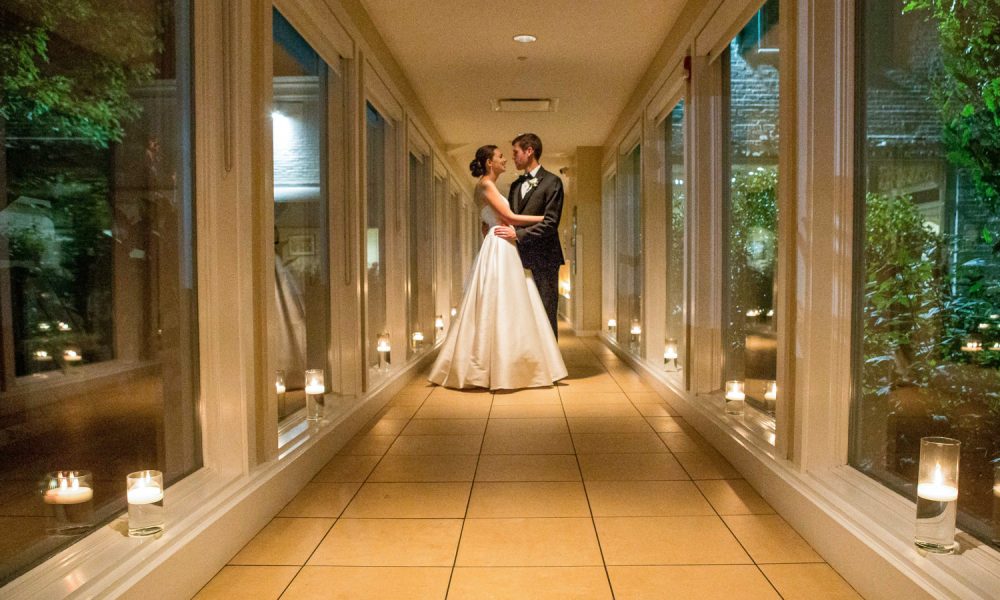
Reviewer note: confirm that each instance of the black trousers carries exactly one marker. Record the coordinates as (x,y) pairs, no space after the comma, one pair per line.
(547,282)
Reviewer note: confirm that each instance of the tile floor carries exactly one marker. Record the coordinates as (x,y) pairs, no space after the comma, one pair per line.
(591,489)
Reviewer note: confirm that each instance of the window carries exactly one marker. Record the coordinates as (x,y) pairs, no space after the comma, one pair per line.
(301,332)
(458,263)
(420,308)
(380,157)
(98,315)
(628,231)
(443,270)
(750,230)
(609,255)
(927,310)
(672,135)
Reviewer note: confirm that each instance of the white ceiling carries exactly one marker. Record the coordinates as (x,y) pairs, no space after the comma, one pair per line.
(459,55)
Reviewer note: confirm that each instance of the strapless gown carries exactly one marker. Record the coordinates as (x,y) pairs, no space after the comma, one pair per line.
(501,338)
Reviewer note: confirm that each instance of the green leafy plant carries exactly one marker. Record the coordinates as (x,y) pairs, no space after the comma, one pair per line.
(968,91)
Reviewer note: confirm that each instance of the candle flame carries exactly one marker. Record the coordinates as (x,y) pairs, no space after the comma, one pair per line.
(938,476)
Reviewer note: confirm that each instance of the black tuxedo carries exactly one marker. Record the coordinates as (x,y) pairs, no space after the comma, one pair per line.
(538,244)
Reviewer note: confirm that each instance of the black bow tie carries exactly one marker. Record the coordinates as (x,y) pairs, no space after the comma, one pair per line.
(523,178)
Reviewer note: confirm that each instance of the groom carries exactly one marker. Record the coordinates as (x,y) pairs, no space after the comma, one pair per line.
(540,193)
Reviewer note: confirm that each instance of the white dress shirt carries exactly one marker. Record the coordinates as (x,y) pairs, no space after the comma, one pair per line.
(527,186)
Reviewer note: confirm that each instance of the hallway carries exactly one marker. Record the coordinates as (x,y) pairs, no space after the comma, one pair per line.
(592,489)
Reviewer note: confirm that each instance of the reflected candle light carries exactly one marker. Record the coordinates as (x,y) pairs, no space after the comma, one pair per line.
(972,346)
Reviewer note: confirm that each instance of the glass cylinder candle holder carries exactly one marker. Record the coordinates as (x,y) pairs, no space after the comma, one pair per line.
(612,326)
(937,494)
(315,388)
(69,502)
(144,490)
(439,324)
(670,355)
(417,339)
(996,505)
(735,397)
(771,395)
(279,388)
(384,349)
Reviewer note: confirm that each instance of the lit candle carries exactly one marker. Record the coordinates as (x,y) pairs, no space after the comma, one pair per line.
(69,492)
(454,311)
(734,390)
(64,326)
(145,494)
(41,356)
(937,490)
(418,336)
(43,326)
(770,312)
(972,346)
(612,323)
(144,491)
(670,352)
(636,328)
(314,382)
(72,356)
(383,343)
(995,347)
(984,325)
(753,312)
(771,393)
(439,323)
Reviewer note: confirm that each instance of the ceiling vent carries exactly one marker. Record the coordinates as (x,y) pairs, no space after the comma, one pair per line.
(525,104)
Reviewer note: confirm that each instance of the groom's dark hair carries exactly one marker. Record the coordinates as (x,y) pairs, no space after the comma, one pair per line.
(529,140)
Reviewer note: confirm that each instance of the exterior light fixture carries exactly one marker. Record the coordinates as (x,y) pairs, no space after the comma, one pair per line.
(524,38)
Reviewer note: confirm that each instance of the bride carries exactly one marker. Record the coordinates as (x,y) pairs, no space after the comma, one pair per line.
(501,338)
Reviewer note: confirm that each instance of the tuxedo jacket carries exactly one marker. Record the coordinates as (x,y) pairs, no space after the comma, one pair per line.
(539,244)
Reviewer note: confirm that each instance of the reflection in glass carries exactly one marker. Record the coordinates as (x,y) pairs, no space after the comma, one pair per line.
(98,329)
(676,334)
(420,307)
(628,235)
(379,155)
(300,334)
(928,304)
(750,234)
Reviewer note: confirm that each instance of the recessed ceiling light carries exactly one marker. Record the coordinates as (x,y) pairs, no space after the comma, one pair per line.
(525,38)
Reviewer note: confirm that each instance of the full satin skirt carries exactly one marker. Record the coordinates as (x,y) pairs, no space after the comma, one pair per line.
(501,338)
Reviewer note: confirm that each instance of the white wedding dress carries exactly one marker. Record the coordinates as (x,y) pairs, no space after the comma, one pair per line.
(501,338)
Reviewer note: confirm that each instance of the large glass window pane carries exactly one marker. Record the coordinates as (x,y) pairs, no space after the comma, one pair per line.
(456,232)
(628,231)
(609,255)
(675,345)
(420,309)
(928,301)
(380,147)
(98,329)
(750,233)
(301,332)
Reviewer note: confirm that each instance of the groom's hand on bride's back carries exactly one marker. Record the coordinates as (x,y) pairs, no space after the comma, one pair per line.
(505,232)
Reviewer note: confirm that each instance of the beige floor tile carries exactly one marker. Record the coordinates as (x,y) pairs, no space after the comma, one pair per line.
(425,468)
(686,582)
(346,468)
(608,425)
(706,465)
(460,401)
(769,539)
(646,499)
(649,397)
(589,384)
(390,543)
(386,426)
(631,467)
(425,445)
(526,411)
(666,424)
(600,410)
(372,445)
(409,501)
(369,583)
(320,500)
(685,442)
(527,443)
(528,467)
(809,582)
(734,497)
(468,395)
(453,412)
(283,542)
(397,412)
(668,541)
(537,583)
(632,383)
(495,500)
(520,426)
(614,443)
(251,583)
(652,409)
(446,427)
(520,397)
(408,398)
(574,397)
(528,542)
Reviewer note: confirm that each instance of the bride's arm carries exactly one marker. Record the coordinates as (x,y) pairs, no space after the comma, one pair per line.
(493,197)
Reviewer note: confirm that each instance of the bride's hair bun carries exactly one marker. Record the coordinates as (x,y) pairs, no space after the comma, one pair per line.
(478,165)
